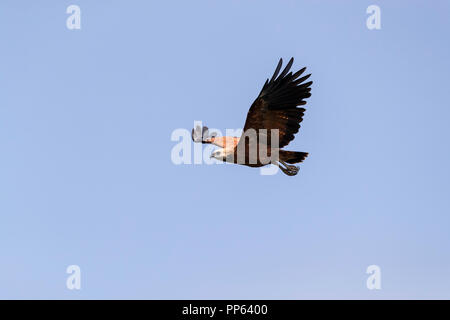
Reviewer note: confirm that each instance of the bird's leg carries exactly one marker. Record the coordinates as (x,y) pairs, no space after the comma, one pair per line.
(289,170)
(289,167)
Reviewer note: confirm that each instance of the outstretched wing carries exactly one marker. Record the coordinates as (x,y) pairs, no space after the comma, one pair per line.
(203,135)
(276,106)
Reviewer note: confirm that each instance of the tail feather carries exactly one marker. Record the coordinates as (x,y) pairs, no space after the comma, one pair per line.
(292,156)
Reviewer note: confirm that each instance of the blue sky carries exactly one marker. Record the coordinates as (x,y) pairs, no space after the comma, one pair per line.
(86,176)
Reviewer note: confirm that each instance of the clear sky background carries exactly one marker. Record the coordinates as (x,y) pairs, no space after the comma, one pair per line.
(86,176)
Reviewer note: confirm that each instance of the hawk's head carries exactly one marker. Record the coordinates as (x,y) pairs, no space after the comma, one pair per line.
(219,155)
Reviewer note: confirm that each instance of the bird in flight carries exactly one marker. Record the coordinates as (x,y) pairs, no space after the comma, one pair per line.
(273,119)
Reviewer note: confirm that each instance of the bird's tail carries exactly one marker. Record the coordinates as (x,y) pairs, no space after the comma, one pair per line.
(292,156)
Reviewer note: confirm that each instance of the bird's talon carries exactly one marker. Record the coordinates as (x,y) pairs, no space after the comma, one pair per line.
(290,170)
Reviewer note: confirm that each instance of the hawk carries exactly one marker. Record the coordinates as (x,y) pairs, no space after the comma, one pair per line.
(272,120)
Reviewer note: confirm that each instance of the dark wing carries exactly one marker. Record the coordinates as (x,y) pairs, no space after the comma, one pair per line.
(276,105)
